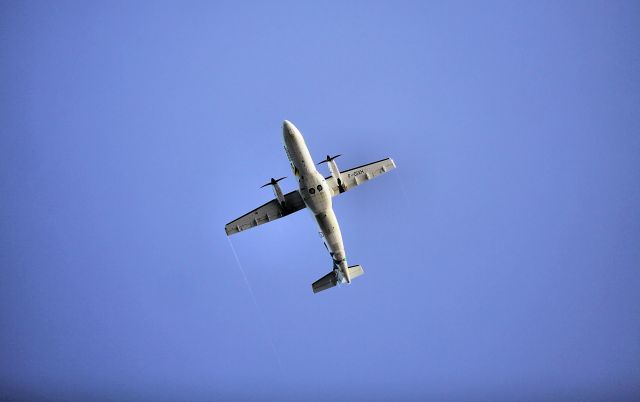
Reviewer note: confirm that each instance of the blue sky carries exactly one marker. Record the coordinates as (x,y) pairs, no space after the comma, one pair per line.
(501,257)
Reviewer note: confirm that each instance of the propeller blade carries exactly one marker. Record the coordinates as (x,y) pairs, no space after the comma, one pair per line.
(328,159)
(272,182)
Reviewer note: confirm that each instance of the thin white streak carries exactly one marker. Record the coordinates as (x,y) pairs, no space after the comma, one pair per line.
(255,303)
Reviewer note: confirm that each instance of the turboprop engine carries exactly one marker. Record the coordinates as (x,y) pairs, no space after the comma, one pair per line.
(335,172)
(276,189)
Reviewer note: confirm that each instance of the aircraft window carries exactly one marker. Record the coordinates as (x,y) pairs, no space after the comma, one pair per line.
(311,191)
(319,187)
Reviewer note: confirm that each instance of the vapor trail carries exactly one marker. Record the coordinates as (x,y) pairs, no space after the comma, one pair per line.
(255,303)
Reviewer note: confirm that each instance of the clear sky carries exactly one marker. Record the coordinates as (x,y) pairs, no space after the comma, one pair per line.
(502,256)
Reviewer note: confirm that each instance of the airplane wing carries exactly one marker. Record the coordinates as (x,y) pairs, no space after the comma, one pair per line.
(358,175)
(268,212)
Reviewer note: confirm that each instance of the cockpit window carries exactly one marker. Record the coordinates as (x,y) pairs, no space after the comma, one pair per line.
(319,187)
(312,191)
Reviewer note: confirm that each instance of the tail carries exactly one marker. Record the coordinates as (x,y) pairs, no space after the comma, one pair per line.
(334,277)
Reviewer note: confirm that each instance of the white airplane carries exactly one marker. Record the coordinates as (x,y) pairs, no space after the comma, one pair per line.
(315,193)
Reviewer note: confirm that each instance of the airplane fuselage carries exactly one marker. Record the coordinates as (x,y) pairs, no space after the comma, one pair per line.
(316,195)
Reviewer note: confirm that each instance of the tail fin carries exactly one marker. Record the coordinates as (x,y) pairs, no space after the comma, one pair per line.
(334,277)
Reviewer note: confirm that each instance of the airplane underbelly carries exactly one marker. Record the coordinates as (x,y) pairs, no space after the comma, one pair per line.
(317,203)
(316,193)
(330,232)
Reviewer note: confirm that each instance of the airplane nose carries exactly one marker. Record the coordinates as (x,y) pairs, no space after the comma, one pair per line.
(287,127)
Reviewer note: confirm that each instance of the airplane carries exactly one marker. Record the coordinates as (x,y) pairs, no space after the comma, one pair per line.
(315,192)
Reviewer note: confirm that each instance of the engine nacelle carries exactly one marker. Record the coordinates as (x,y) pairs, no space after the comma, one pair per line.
(335,172)
(276,190)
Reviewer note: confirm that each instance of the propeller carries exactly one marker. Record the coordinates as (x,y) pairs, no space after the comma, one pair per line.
(273,182)
(329,159)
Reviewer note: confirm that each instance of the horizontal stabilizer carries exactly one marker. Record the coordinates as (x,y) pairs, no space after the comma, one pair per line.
(328,281)
(334,277)
(355,271)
